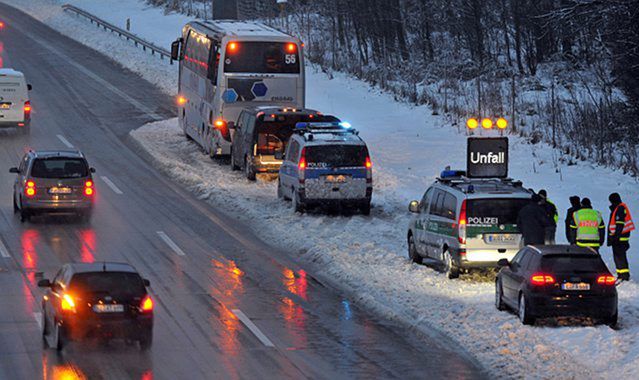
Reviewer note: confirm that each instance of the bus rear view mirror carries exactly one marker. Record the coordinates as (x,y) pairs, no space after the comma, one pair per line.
(175,49)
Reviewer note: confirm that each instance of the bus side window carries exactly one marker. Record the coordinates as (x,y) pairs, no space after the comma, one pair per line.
(214,63)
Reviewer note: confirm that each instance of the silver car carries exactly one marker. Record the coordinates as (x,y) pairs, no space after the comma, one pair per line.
(53,182)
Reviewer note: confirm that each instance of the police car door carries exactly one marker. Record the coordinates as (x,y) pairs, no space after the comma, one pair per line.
(421,222)
(432,238)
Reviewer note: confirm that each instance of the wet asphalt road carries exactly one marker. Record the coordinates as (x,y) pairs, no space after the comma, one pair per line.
(219,267)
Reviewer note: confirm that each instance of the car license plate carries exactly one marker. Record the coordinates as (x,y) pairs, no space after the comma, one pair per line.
(336,178)
(108,308)
(60,190)
(500,238)
(575,286)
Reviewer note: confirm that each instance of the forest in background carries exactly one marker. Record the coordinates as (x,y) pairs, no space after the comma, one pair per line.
(565,72)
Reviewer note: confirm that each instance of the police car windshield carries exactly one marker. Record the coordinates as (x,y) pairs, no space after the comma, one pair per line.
(495,210)
(335,156)
(573,264)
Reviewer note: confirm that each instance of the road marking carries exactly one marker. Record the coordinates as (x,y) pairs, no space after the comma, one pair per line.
(65,141)
(111,185)
(91,74)
(38,318)
(170,243)
(4,252)
(254,329)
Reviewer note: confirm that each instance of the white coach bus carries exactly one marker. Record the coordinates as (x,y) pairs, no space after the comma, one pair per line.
(227,65)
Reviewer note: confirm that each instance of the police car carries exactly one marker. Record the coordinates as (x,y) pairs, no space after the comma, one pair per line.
(326,163)
(463,223)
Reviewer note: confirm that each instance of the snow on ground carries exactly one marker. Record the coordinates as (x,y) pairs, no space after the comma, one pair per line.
(366,256)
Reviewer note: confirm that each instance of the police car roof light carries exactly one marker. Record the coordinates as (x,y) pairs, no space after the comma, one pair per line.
(452,174)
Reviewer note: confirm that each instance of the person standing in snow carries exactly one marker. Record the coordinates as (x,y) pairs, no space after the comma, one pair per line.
(533,222)
(588,228)
(619,229)
(553,216)
(575,205)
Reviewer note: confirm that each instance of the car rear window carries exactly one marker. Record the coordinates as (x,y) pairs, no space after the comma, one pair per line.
(573,263)
(494,210)
(59,167)
(113,283)
(274,131)
(335,156)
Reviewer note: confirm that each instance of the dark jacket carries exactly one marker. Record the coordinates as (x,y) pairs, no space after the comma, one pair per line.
(569,219)
(551,212)
(620,218)
(532,221)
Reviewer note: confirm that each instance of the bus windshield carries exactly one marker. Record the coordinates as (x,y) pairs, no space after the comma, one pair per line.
(262,57)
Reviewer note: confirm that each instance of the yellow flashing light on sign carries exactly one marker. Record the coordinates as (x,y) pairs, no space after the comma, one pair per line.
(472,123)
(502,123)
(486,123)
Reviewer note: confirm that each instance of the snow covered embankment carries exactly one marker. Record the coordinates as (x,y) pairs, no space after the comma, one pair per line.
(366,256)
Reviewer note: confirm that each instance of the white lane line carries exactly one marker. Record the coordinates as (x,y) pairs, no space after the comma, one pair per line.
(254,329)
(65,141)
(68,60)
(38,318)
(111,185)
(170,243)
(4,252)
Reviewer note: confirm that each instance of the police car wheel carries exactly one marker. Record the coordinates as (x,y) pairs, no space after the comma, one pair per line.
(499,299)
(298,205)
(449,267)
(612,321)
(412,251)
(524,311)
(280,191)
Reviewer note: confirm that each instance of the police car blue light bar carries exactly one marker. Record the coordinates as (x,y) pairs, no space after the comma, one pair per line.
(322,126)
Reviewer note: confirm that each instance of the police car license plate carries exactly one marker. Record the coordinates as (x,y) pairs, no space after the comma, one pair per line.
(108,308)
(500,238)
(60,190)
(575,286)
(335,178)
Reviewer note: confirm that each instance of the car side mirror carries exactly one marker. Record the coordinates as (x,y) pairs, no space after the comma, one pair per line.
(231,125)
(44,283)
(29,87)
(503,263)
(175,49)
(92,170)
(413,207)
(14,170)
(146,282)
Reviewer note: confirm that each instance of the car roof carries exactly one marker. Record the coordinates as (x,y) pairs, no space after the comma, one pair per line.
(477,188)
(105,266)
(57,153)
(8,72)
(330,138)
(238,28)
(283,110)
(562,249)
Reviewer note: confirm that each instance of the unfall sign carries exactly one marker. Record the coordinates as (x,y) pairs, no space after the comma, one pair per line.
(487,157)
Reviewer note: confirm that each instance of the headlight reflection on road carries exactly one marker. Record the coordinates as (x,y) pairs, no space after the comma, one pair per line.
(296,284)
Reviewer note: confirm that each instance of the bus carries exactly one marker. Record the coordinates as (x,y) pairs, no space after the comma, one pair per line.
(227,65)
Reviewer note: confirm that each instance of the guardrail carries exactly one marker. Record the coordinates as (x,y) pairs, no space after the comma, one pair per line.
(121,32)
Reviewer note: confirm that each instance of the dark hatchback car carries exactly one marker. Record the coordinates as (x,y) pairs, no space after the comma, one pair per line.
(557,281)
(261,135)
(103,300)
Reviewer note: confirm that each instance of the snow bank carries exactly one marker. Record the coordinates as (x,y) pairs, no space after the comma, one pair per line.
(365,256)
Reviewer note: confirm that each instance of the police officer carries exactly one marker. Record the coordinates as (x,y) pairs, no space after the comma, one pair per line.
(575,205)
(588,228)
(532,221)
(553,216)
(619,229)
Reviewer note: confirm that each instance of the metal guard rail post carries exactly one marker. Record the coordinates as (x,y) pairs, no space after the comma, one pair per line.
(121,32)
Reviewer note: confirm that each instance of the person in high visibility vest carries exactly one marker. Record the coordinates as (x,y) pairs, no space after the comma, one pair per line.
(619,229)
(553,216)
(588,227)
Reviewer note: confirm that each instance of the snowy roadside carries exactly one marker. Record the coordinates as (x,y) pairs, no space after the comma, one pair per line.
(366,256)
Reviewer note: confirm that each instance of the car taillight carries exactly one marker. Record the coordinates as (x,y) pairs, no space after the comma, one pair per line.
(147,304)
(369,164)
(30,189)
(302,164)
(222,126)
(27,107)
(542,279)
(462,223)
(67,303)
(606,280)
(88,188)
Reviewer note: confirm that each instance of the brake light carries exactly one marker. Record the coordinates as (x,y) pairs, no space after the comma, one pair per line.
(542,279)
(27,107)
(369,164)
(219,123)
(181,100)
(290,48)
(462,223)
(30,189)
(88,188)
(606,280)
(146,304)
(67,303)
(302,163)
(233,46)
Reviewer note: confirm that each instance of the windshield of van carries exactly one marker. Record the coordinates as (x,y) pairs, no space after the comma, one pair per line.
(494,211)
(335,156)
(59,167)
(261,57)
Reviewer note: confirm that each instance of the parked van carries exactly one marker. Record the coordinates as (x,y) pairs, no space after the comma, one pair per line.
(326,163)
(15,106)
(261,135)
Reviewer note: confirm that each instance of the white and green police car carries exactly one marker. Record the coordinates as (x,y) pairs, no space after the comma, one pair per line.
(463,223)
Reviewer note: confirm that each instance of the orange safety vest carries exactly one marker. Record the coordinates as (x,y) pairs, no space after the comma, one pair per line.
(628,223)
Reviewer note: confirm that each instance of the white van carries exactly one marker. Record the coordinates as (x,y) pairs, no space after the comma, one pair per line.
(15,106)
